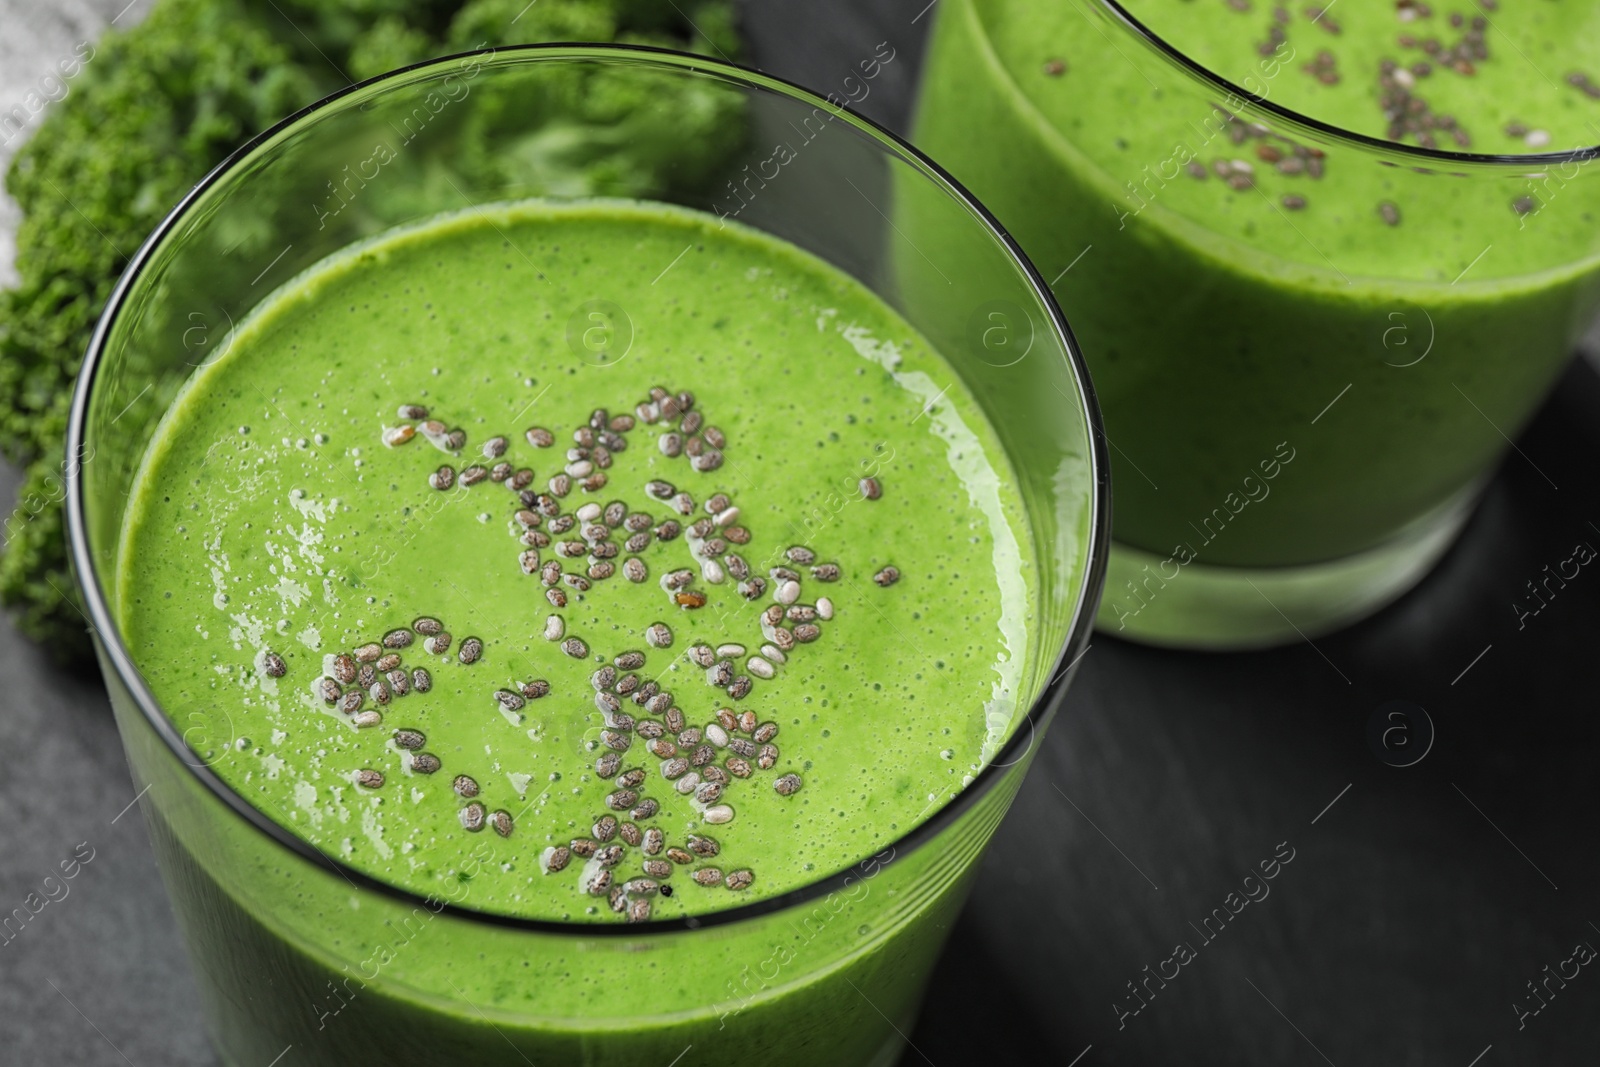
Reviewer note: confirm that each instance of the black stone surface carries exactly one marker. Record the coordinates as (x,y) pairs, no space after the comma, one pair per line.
(1418,903)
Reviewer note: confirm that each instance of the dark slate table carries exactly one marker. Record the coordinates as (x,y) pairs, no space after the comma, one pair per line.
(1417,904)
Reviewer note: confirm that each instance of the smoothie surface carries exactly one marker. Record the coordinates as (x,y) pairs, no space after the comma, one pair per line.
(1506,78)
(290,513)
(1260,194)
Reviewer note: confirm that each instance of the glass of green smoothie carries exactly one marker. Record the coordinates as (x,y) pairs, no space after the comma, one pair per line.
(1324,263)
(562,603)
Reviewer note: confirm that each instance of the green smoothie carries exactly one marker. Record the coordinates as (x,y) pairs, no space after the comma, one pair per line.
(1303,348)
(607,561)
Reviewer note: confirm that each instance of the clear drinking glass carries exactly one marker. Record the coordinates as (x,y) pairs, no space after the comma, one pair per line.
(1298,428)
(295,950)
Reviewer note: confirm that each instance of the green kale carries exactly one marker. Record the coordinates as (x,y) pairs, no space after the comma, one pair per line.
(157,106)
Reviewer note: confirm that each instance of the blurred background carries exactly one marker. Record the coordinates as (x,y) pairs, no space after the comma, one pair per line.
(1429,774)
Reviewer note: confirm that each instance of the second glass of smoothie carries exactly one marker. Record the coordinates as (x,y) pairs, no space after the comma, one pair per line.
(1324,263)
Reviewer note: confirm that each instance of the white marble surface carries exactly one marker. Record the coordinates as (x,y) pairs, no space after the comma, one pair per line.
(36,36)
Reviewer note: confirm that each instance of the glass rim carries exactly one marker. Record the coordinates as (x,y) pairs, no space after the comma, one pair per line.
(983,782)
(1327,129)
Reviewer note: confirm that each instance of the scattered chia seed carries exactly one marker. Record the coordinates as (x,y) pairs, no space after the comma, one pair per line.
(501,821)
(887,577)
(645,809)
(707,876)
(425,763)
(472,817)
(740,879)
(704,847)
(607,765)
(787,785)
(559,858)
(470,651)
(575,648)
(465,786)
(679,856)
(1579,80)
(367,778)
